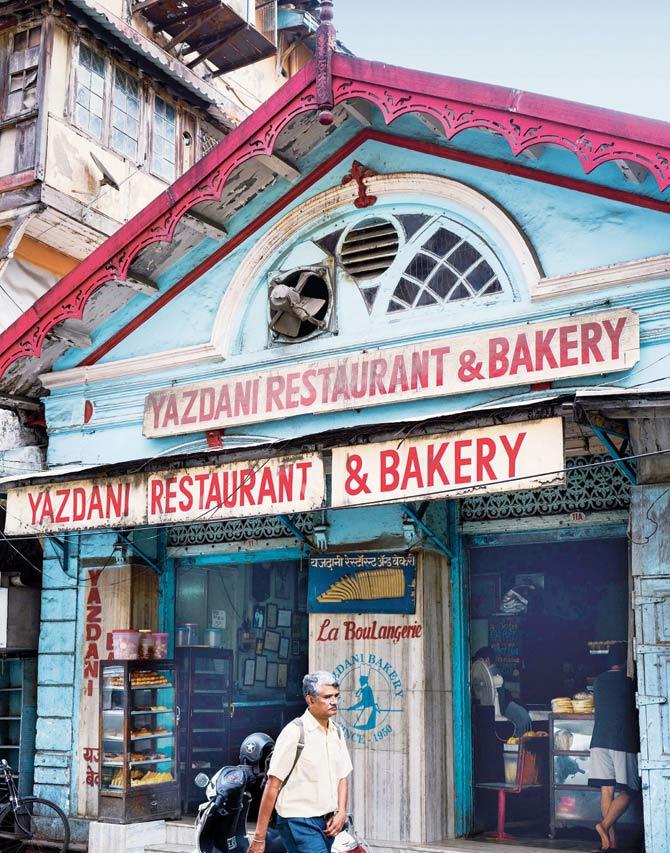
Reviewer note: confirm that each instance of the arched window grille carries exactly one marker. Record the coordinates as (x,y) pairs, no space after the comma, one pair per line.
(449,264)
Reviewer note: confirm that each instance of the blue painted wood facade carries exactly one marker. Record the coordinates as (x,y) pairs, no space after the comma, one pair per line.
(567,231)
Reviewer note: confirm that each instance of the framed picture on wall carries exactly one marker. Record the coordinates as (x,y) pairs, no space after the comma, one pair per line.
(249,672)
(484,595)
(295,648)
(271,616)
(283,578)
(272,641)
(271,675)
(283,648)
(282,675)
(284,619)
(259,616)
(261,668)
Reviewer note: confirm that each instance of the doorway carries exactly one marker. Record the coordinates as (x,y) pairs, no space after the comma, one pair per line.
(542,612)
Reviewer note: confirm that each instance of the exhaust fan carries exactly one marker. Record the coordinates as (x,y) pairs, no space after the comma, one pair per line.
(300,302)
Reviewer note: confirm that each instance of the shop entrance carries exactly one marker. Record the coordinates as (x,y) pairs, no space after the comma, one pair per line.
(542,614)
(241,640)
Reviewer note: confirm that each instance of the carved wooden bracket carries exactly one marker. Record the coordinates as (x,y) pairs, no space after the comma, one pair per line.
(325,46)
(358,173)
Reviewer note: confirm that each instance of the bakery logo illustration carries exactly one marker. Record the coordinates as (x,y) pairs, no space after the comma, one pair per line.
(371,698)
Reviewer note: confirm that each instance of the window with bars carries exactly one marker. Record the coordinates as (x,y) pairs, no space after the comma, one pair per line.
(125,114)
(448,266)
(23,71)
(164,140)
(90,97)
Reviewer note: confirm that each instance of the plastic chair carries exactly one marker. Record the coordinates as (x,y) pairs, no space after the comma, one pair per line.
(527,778)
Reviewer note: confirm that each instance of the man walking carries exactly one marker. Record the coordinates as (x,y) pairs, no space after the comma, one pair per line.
(614,744)
(308,786)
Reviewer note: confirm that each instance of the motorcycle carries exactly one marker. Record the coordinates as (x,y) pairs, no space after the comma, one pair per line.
(221,823)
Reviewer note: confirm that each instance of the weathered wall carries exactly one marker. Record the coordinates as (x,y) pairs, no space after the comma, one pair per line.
(402,766)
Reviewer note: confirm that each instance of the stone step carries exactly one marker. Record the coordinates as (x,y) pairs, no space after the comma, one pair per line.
(180,832)
(170,848)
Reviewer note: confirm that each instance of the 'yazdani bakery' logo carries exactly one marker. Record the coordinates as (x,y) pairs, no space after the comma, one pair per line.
(371,697)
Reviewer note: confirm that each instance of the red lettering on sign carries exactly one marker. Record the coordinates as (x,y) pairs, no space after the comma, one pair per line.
(512,451)
(274,389)
(461,461)
(187,417)
(389,477)
(543,350)
(614,332)
(498,361)
(156,492)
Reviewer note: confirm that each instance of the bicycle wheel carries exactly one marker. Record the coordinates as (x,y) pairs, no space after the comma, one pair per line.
(37,826)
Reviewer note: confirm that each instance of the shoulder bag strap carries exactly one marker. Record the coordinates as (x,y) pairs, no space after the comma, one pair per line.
(299,747)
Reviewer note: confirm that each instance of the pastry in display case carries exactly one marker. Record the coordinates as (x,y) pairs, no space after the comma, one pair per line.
(138,740)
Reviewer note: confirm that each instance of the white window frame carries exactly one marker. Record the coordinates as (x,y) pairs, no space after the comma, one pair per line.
(115,70)
(105,140)
(152,139)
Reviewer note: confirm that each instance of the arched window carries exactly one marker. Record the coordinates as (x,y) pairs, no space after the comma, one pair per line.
(447,263)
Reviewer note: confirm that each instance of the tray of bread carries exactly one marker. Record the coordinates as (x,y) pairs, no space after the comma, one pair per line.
(145,731)
(150,777)
(147,678)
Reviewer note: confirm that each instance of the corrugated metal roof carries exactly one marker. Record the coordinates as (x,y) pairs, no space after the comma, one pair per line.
(143,46)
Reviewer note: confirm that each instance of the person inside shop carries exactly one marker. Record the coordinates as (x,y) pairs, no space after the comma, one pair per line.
(488,689)
(309,786)
(615,744)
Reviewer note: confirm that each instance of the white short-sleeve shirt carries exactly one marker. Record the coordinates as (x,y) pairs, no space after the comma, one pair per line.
(311,790)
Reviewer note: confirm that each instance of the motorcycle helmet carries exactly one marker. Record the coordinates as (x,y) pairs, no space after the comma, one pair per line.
(256,750)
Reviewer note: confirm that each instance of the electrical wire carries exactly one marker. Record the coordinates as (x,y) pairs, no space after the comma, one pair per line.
(458,491)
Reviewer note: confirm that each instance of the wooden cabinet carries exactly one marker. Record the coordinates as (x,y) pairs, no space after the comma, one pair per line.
(205,702)
(138,741)
(18,715)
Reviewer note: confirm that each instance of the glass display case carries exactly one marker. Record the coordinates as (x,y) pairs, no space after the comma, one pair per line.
(138,741)
(573,803)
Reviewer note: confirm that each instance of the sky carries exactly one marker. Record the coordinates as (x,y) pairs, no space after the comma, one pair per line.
(614,54)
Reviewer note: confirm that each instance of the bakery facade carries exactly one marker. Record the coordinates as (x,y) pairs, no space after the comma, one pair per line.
(404,402)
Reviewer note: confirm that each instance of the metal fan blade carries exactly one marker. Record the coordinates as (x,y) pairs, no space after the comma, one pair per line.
(305,275)
(286,324)
(312,305)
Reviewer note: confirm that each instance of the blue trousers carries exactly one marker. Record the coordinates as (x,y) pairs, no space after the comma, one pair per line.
(304,834)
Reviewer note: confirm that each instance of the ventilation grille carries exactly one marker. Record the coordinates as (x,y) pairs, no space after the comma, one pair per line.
(369,249)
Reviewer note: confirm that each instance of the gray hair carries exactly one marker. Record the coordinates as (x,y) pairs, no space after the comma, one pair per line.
(313,681)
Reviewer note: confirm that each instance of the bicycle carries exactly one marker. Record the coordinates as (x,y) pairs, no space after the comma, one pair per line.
(29,824)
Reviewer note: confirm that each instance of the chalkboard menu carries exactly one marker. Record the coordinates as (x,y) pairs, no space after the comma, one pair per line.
(505,639)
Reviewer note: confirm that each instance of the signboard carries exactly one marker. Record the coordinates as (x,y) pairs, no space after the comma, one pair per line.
(491,459)
(514,355)
(362,583)
(231,490)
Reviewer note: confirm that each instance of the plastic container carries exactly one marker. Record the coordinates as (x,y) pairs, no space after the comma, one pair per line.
(187,634)
(212,637)
(146,646)
(125,644)
(160,645)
